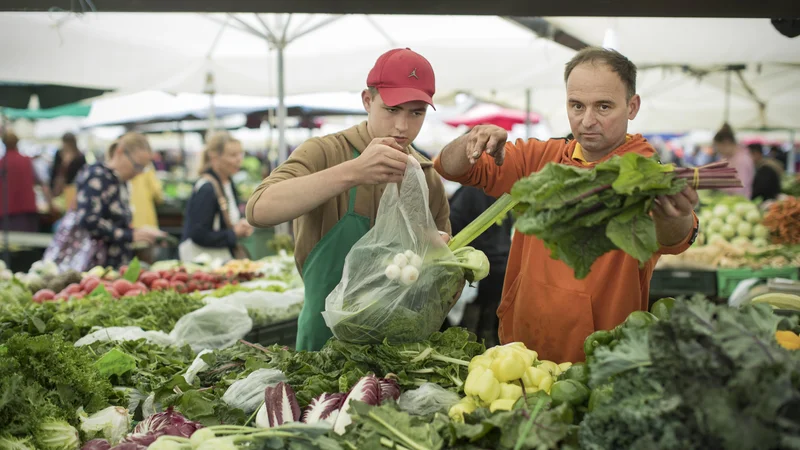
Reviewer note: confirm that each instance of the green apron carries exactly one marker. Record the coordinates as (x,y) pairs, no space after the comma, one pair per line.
(322,271)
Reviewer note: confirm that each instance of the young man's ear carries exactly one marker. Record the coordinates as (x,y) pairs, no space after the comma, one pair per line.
(366,100)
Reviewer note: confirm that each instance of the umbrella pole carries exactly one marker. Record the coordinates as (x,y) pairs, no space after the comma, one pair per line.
(527,113)
(6,217)
(283,152)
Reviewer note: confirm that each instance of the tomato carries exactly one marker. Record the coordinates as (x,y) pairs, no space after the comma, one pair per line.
(44,295)
(122,286)
(147,278)
(159,284)
(182,277)
(72,288)
(178,286)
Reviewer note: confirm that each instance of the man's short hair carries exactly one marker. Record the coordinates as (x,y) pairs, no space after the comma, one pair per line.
(616,61)
(725,134)
(373,91)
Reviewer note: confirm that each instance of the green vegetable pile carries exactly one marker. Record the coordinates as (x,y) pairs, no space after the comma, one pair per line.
(43,382)
(708,377)
(157,311)
(582,214)
(442,359)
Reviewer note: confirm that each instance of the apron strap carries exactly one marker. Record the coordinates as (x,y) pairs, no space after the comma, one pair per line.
(351,207)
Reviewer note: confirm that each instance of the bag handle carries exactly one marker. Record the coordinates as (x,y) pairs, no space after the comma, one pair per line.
(221,199)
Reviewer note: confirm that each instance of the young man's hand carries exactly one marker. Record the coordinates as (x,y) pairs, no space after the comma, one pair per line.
(382,162)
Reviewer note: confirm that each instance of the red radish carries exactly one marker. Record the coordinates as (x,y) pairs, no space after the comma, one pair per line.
(113,292)
(132,293)
(77,295)
(122,286)
(141,286)
(44,295)
(61,296)
(122,270)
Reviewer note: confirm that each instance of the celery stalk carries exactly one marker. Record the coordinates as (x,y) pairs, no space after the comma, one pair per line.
(498,210)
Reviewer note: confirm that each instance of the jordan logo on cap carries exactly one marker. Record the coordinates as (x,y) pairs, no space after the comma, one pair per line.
(413,74)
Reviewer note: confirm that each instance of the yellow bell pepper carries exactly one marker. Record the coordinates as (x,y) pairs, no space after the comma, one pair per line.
(508,366)
(502,404)
(471,385)
(563,367)
(467,405)
(549,366)
(525,355)
(546,384)
(488,387)
(479,361)
(510,391)
(788,340)
(533,377)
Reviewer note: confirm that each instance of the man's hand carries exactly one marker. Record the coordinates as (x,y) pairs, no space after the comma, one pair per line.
(383,161)
(672,215)
(242,229)
(486,138)
(679,205)
(147,234)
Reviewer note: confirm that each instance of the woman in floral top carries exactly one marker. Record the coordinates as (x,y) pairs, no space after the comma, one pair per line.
(103,204)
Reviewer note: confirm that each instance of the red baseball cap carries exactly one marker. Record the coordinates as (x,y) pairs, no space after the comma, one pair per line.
(402,75)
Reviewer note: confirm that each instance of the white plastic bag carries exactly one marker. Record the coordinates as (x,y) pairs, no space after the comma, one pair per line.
(214,326)
(124,334)
(248,394)
(198,365)
(263,306)
(370,304)
(427,399)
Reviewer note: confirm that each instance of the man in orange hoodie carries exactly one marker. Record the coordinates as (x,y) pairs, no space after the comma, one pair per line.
(543,305)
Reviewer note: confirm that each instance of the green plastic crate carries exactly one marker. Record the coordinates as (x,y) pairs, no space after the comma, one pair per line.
(675,282)
(728,279)
(281,333)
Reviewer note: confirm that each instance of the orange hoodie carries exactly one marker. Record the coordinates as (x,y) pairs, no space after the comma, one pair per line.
(543,305)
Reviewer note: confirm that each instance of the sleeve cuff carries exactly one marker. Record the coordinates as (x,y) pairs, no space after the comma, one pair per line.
(687,242)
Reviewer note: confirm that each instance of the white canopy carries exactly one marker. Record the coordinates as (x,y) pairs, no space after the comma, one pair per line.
(692,41)
(175,51)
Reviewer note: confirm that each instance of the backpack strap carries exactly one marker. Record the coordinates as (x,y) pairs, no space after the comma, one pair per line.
(223,201)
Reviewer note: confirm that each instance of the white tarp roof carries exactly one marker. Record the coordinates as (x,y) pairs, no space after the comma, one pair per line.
(693,41)
(174,51)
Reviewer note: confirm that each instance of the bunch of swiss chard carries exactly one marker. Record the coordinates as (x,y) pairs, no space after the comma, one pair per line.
(708,377)
(581,214)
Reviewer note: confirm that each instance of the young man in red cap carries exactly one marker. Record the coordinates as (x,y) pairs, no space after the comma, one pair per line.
(331,186)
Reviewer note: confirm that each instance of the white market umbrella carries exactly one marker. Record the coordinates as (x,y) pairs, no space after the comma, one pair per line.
(264,54)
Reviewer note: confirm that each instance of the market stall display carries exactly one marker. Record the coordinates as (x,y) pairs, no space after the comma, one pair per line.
(639,387)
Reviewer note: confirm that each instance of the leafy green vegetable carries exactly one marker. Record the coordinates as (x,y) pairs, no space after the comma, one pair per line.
(442,358)
(708,377)
(581,214)
(44,377)
(157,311)
(134,268)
